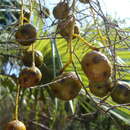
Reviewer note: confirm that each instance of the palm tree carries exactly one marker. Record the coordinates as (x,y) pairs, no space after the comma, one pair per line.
(39,109)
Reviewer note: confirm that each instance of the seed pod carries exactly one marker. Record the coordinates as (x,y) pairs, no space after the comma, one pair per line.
(15,125)
(26,34)
(84,1)
(61,11)
(66,27)
(67,87)
(121,93)
(28,60)
(29,77)
(96,66)
(100,89)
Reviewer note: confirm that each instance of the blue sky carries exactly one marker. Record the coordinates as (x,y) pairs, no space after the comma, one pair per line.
(116,8)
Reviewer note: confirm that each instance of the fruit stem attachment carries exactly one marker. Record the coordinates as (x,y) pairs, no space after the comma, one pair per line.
(33,56)
(17,102)
(21,18)
(88,44)
(30,9)
(69,43)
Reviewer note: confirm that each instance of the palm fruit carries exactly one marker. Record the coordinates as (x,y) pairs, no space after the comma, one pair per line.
(28,60)
(85,1)
(121,93)
(100,89)
(45,12)
(29,77)
(96,66)
(61,10)
(15,125)
(66,86)
(65,28)
(26,34)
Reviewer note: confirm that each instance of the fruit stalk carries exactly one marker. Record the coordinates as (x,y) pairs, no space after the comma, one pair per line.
(17,103)
(88,44)
(21,19)
(30,9)
(33,56)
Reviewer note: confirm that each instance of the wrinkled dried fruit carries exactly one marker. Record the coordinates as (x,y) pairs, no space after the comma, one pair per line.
(66,27)
(26,34)
(28,60)
(29,77)
(100,89)
(67,87)
(121,93)
(96,66)
(61,10)
(15,125)
(85,1)
(45,12)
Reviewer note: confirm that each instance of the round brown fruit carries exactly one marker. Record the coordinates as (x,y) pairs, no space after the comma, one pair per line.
(85,1)
(121,93)
(61,10)
(67,87)
(29,77)
(45,12)
(27,58)
(64,28)
(26,34)
(100,89)
(15,125)
(96,66)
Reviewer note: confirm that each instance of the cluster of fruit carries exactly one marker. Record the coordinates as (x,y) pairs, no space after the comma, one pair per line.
(95,65)
(26,35)
(31,75)
(66,23)
(98,70)
(65,89)
(67,86)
